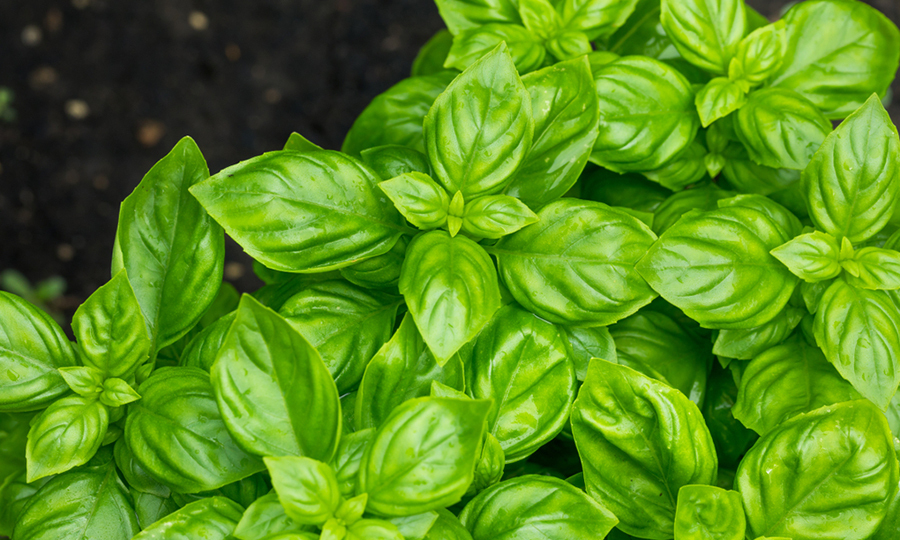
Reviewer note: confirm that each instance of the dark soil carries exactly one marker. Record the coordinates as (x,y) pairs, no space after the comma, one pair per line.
(104,88)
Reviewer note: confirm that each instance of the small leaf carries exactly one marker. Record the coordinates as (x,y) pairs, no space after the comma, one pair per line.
(719,98)
(307,488)
(877,269)
(495,216)
(705,32)
(525,47)
(759,55)
(812,257)
(84,381)
(117,392)
(65,435)
(419,198)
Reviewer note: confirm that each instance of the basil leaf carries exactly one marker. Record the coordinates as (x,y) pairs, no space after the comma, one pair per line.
(300,143)
(169,246)
(850,181)
(13,440)
(647,114)
(373,529)
(709,513)
(151,508)
(379,272)
(525,48)
(705,32)
(845,473)
(759,55)
(566,114)
(346,324)
(264,518)
(110,329)
(462,14)
(137,478)
(495,216)
(535,507)
(838,54)
(432,55)
(451,290)
(15,494)
(812,257)
(393,160)
(423,456)
(307,489)
(475,149)
(490,465)
(177,434)
(859,332)
(877,269)
(519,362)
(686,168)
(747,176)
(65,435)
(402,369)
(202,350)
(786,221)
(84,381)
(213,518)
(419,198)
(395,116)
(274,392)
(540,17)
(716,267)
(582,344)
(568,45)
(77,505)
(627,190)
(653,434)
(780,128)
(415,527)
(748,343)
(117,392)
(595,18)
(580,257)
(32,347)
(719,98)
(729,435)
(705,197)
(657,346)
(785,381)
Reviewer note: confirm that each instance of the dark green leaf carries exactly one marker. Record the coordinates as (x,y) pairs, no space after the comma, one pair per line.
(213,518)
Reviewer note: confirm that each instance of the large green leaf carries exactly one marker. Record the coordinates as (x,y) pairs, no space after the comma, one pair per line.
(647,114)
(827,474)
(479,129)
(575,265)
(583,344)
(851,183)
(213,518)
(706,32)
(709,513)
(838,53)
(303,212)
(859,332)
(451,289)
(345,323)
(748,343)
(639,441)
(177,434)
(596,18)
(275,394)
(536,508)
(519,362)
(307,488)
(32,347)
(716,267)
(169,246)
(65,435)
(525,47)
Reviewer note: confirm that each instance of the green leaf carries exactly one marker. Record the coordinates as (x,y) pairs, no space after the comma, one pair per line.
(78,505)
(780,128)
(748,343)
(32,348)
(851,181)
(536,507)
(137,478)
(519,362)
(419,198)
(117,392)
(876,268)
(395,116)
(432,55)
(709,513)
(686,168)
(84,381)
(540,17)
(596,18)
(759,55)
(837,54)
(264,518)
(309,212)
(348,458)
(729,435)
(213,518)
(719,98)
(704,197)
(628,190)
(447,527)
(402,369)
(565,110)
(65,435)
(859,332)
(392,160)
(495,216)
(568,45)
(747,176)
(379,272)
(451,290)
(654,438)
(110,329)
(169,247)
(811,257)
(786,221)
(582,344)
(575,266)
(785,381)
(462,14)
(647,114)
(373,529)
(525,48)
(415,527)
(151,508)
(275,394)
(455,213)
(307,489)
(345,323)
(476,148)
(490,465)
(657,346)
(178,436)
(705,32)
(843,472)
(423,456)
(300,143)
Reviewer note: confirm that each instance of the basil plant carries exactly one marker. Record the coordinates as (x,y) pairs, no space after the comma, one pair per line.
(597,269)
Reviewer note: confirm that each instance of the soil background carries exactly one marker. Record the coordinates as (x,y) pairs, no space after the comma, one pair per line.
(105,88)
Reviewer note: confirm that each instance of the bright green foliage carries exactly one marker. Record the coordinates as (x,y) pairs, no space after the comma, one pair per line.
(709,513)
